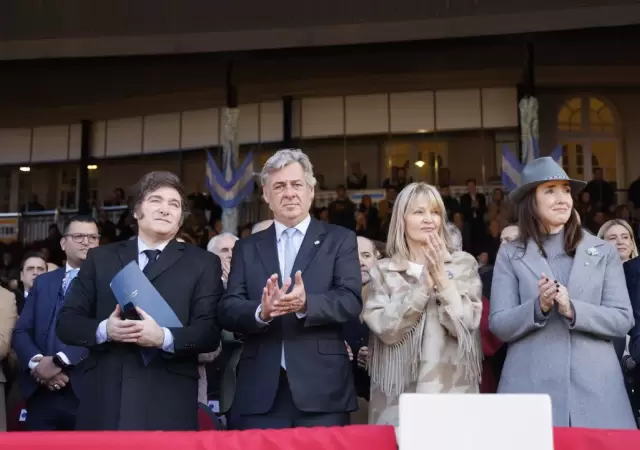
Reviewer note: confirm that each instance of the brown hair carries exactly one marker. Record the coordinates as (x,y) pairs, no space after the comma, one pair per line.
(530,226)
(152,182)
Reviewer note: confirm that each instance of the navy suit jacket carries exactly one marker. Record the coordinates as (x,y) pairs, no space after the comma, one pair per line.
(32,330)
(632,275)
(318,368)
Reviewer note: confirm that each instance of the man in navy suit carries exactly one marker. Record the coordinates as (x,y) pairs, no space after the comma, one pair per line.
(49,374)
(290,290)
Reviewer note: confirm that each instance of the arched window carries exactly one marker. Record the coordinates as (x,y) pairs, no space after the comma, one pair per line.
(569,118)
(597,119)
(588,132)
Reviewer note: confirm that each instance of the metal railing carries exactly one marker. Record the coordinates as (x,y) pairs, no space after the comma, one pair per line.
(28,227)
(31,226)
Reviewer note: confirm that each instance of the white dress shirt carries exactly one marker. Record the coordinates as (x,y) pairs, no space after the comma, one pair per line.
(32,363)
(143,260)
(297,239)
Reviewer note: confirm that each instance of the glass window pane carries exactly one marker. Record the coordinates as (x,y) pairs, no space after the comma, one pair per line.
(596,104)
(594,121)
(606,116)
(576,121)
(575,104)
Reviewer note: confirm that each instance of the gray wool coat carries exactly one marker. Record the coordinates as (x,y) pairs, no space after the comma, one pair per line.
(575,364)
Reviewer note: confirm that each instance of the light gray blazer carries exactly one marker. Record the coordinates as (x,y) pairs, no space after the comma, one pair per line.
(575,363)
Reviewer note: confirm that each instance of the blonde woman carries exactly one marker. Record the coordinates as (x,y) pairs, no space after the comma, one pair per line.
(620,234)
(423,309)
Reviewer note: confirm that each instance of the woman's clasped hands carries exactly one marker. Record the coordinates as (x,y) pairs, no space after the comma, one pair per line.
(550,292)
(434,254)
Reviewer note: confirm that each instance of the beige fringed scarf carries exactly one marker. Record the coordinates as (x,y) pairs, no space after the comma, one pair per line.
(394,367)
(469,350)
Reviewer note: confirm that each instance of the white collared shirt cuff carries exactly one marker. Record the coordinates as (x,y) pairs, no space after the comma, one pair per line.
(300,315)
(64,358)
(167,344)
(258,319)
(33,364)
(101,333)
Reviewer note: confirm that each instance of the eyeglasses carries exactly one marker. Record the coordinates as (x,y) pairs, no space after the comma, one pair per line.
(79,238)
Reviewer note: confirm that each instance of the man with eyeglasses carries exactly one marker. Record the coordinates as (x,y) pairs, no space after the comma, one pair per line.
(49,372)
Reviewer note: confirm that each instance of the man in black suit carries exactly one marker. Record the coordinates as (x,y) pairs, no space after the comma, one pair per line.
(473,206)
(121,391)
(294,369)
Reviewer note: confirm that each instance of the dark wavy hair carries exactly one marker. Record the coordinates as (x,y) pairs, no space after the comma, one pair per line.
(530,226)
(152,182)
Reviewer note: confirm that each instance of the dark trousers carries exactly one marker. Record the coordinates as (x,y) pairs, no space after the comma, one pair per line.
(285,414)
(52,411)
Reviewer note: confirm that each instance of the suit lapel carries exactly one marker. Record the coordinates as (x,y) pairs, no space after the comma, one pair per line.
(169,256)
(534,260)
(312,241)
(128,251)
(268,251)
(54,291)
(585,264)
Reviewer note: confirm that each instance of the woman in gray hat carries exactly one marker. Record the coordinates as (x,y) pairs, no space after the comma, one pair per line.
(558,299)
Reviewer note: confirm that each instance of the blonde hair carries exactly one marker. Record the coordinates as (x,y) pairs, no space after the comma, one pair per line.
(397,239)
(624,224)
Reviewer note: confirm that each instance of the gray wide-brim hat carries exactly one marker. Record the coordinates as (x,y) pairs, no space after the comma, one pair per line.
(538,171)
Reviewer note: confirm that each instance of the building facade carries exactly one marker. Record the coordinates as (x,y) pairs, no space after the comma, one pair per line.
(440,102)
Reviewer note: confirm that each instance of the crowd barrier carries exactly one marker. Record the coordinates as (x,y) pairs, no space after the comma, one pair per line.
(346,438)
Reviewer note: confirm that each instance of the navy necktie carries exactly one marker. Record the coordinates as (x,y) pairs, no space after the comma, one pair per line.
(152,255)
(149,353)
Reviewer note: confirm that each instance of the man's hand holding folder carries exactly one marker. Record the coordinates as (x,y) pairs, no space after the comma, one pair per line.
(150,326)
(144,332)
(123,330)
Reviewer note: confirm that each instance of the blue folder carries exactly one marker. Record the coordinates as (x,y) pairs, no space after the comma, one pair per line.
(131,285)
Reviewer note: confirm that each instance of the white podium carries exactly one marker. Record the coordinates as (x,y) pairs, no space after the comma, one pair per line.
(475,422)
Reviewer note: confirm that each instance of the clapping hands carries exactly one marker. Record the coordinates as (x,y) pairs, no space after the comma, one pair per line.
(277,302)
(550,291)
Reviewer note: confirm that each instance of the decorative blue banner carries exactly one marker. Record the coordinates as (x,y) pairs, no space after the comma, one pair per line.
(556,155)
(231,188)
(512,167)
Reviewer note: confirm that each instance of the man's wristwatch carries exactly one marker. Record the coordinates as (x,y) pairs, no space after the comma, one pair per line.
(59,362)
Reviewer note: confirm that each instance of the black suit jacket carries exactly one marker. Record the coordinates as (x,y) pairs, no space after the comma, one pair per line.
(468,211)
(120,392)
(318,368)
(632,276)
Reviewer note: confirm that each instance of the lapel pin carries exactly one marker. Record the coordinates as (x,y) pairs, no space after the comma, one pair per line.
(316,242)
(592,251)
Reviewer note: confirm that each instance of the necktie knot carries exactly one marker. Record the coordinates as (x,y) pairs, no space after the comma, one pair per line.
(290,232)
(152,255)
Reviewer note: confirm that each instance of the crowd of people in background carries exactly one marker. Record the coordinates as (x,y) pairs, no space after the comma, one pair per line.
(480,231)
